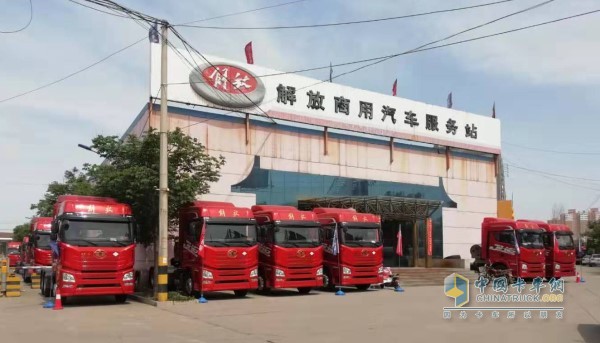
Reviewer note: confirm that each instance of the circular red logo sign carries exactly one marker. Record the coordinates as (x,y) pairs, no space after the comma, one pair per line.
(227,85)
(301,253)
(232,253)
(364,252)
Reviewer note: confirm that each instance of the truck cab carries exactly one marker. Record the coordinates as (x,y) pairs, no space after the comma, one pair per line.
(36,252)
(217,248)
(95,248)
(510,248)
(353,249)
(13,250)
(560,250)
(290,253)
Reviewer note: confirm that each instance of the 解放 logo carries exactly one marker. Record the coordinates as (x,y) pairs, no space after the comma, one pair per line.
(456,287)
(232,253)
(227,85)
(364,252)
(300,253)
(100,254)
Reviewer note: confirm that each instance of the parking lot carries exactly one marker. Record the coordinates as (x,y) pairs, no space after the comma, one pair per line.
(376,315)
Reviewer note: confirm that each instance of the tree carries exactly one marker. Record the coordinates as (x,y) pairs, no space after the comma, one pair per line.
(20,231)
(593,237)
(75,182)
(131,174)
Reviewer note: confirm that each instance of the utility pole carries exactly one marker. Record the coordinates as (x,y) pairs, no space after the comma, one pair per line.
(163,205)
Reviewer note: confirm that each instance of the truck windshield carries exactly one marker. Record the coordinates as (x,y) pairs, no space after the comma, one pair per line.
(230,234)
(42,240)
(297,236)
(531,239)
(97,233)
(565,240)
(361,237)
(12,251)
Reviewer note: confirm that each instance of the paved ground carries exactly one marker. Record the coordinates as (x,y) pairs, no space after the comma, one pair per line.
(378,315)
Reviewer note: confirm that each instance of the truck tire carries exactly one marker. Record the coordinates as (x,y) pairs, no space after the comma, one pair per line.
(240,293)
(328,282)
(362,287)
(121,298)
(151,278)
(304,290)
(47,286)
(187,284)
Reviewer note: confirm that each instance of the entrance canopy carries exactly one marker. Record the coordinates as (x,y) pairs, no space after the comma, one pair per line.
(389,208)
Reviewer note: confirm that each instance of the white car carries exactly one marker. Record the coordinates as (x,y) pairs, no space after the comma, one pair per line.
(595,260)
(586,260)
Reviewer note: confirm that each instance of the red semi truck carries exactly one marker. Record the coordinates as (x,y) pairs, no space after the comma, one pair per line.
(36,253)
(509,248)
(290,253)
(14,253)
(95,241)
(217,249)
(353,251)
(560,249)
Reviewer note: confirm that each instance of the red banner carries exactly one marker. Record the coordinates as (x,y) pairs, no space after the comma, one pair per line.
(249,54)
(429,237)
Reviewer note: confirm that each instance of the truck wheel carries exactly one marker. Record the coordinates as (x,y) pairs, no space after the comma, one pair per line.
(47,286)
(121,298)
(240,293)
(328,282)
(363,287)
(187,284)
(151,278)
(304,290)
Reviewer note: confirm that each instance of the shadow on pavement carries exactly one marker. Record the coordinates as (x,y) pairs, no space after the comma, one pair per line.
(86,301)
(589,332)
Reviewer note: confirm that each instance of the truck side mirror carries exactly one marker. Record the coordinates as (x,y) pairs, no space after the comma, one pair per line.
(53,236)
(54,228)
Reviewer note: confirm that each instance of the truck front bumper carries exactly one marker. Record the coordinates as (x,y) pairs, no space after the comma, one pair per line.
(92,283)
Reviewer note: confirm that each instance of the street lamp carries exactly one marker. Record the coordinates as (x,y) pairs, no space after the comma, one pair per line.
(87,147)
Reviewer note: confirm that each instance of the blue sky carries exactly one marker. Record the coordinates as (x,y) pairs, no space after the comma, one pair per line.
(544,81)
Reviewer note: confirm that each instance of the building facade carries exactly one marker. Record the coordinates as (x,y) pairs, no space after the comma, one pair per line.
(430,172)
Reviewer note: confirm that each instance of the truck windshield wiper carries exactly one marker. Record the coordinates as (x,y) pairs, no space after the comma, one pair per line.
(217,244)
(82,240)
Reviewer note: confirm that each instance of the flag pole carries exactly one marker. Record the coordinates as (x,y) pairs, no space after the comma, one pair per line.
(337,243)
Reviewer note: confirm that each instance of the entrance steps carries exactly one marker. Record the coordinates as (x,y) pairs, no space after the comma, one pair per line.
(429,276)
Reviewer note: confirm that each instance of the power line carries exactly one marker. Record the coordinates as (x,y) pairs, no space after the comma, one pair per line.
(422,47)
(99,10)
(418,49)
(386,57)
(552,151)
(73,73)
(552,174)
(243,12)
(28,23)
(119,51)
(343,23)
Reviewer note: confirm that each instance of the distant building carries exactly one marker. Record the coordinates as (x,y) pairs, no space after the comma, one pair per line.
(577,221)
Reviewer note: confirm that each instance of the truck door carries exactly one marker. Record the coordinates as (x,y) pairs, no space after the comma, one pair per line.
(191,241)
(503,249)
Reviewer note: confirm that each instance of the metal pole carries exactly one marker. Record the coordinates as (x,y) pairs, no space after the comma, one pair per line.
(163,211)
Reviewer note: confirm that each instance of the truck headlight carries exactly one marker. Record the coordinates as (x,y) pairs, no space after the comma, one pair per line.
(66,277)
(254,273)
(380,271)
(557,266)
(320,271)
(346,271)
(128,276)
(206,274)
(524,266)
(279,273)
